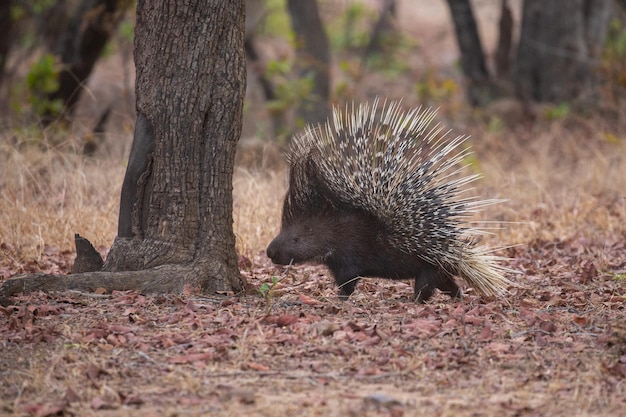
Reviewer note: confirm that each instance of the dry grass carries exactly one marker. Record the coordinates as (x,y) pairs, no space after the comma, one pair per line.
(558,181)
(48,195)
(257,203)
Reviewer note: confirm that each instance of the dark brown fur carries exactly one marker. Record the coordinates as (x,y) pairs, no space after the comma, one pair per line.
(354,245)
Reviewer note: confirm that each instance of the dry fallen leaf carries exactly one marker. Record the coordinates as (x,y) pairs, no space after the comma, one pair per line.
(309,300)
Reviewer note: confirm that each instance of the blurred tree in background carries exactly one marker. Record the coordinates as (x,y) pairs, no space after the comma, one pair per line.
(69,36)
(312,60)
(558,54)
(562,51)
(79,47)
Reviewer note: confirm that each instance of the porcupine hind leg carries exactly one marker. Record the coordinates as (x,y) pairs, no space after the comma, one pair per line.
(448,286)
(431,277)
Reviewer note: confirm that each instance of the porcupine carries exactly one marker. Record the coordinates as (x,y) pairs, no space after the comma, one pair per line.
(381,194)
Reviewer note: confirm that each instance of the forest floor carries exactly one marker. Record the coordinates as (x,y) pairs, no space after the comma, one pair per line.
(554,346)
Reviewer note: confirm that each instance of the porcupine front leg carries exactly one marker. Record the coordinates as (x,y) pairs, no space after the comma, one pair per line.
(346,279)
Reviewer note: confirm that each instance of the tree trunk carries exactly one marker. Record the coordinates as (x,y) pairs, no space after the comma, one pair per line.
(175,224)
(505,41)
(312,59)
(597,15)
(559,44)
(472,56)
(176,204)
(80,47)
(5,34)
(383,33)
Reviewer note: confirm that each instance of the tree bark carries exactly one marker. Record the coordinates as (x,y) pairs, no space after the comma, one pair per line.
(190,87)
(472,56)
(163,279)
(560,42)
(312,59)
(175,228)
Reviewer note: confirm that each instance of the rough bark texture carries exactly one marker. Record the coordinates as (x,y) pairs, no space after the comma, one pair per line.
(176,222)
(163,279)
(559,43)
(312,59)
(176,204)
(472,56)
(87,257)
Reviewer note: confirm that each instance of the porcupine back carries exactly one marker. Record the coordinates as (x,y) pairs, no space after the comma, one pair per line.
(395,168)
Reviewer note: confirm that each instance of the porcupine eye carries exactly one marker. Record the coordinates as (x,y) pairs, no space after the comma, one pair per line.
(296,239)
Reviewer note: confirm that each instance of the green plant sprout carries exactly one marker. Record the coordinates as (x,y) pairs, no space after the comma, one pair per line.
(267,292)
